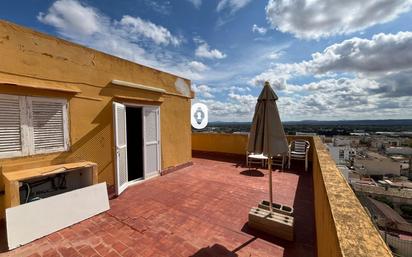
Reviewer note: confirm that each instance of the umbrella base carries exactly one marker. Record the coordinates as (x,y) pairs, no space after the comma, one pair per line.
(275,224)
(279,208)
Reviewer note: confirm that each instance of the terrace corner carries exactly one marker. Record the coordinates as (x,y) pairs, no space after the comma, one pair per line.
(343,228)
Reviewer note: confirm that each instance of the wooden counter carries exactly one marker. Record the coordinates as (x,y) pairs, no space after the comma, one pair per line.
(12,179)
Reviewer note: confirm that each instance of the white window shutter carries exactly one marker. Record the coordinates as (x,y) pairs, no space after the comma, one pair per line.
(10,126)
(48,118)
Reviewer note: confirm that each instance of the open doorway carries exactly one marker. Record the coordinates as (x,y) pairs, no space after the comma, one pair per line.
(134,128)
(137,143)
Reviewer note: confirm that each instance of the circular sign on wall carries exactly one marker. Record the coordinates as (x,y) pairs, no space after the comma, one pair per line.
(199,116)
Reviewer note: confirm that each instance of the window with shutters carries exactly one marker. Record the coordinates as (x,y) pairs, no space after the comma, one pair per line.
(32,125)
(11,126)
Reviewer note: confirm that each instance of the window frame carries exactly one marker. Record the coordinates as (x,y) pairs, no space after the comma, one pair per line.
(341,154)
(26,127)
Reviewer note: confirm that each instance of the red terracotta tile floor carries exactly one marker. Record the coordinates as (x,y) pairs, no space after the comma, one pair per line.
(197,211)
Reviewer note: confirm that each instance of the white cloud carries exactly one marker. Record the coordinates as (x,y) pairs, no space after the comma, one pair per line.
(203,50)
(314,19)
(163,7)
(203,91)
(275,55)
(227,10)
(131,38)
(356,78)
(232,5)
(235,108)
(247,101)
(344,97)
(140,27)
(196,3)
(380,56)
(71,17)
(198,66)
(395,85)
(383,53)
(260,30)
(237,104)
(329,99)
(241,89)
(276,81)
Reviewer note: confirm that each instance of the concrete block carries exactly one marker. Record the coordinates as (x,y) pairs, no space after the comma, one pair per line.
(279,208)
(275,224)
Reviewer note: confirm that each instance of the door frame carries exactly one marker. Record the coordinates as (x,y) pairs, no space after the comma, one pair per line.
(159,155)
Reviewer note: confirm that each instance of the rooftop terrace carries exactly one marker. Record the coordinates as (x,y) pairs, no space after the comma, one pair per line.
(202,210)
(197,211)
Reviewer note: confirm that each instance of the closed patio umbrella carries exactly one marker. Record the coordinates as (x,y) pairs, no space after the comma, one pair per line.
(267,136)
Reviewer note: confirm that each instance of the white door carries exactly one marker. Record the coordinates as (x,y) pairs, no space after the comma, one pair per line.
(120,138)
(151,141)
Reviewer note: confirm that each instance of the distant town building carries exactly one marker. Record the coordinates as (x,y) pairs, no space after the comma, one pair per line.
(401,133)
(345,171)
(352,141)
(305,134)
(359,134)
(341,154)
(406,151)
(376,164)
(241,133)
(382,142)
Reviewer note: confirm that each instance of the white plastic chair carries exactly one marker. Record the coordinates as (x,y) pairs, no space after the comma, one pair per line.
(298,150)
(279,161)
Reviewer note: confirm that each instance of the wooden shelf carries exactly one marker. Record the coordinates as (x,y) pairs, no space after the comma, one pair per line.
(12,179)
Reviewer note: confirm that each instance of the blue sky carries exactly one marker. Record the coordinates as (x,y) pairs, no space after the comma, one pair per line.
(326,60)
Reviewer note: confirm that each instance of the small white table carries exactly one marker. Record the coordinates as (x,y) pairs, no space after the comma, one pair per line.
(264,158)
(258,156)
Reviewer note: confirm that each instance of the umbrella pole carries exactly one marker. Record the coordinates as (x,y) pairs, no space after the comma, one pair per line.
(270,184)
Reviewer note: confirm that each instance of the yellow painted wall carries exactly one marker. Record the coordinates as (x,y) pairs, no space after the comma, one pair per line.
(30,58)
(229,143)
(341,220)
(326,232)
(219,142)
